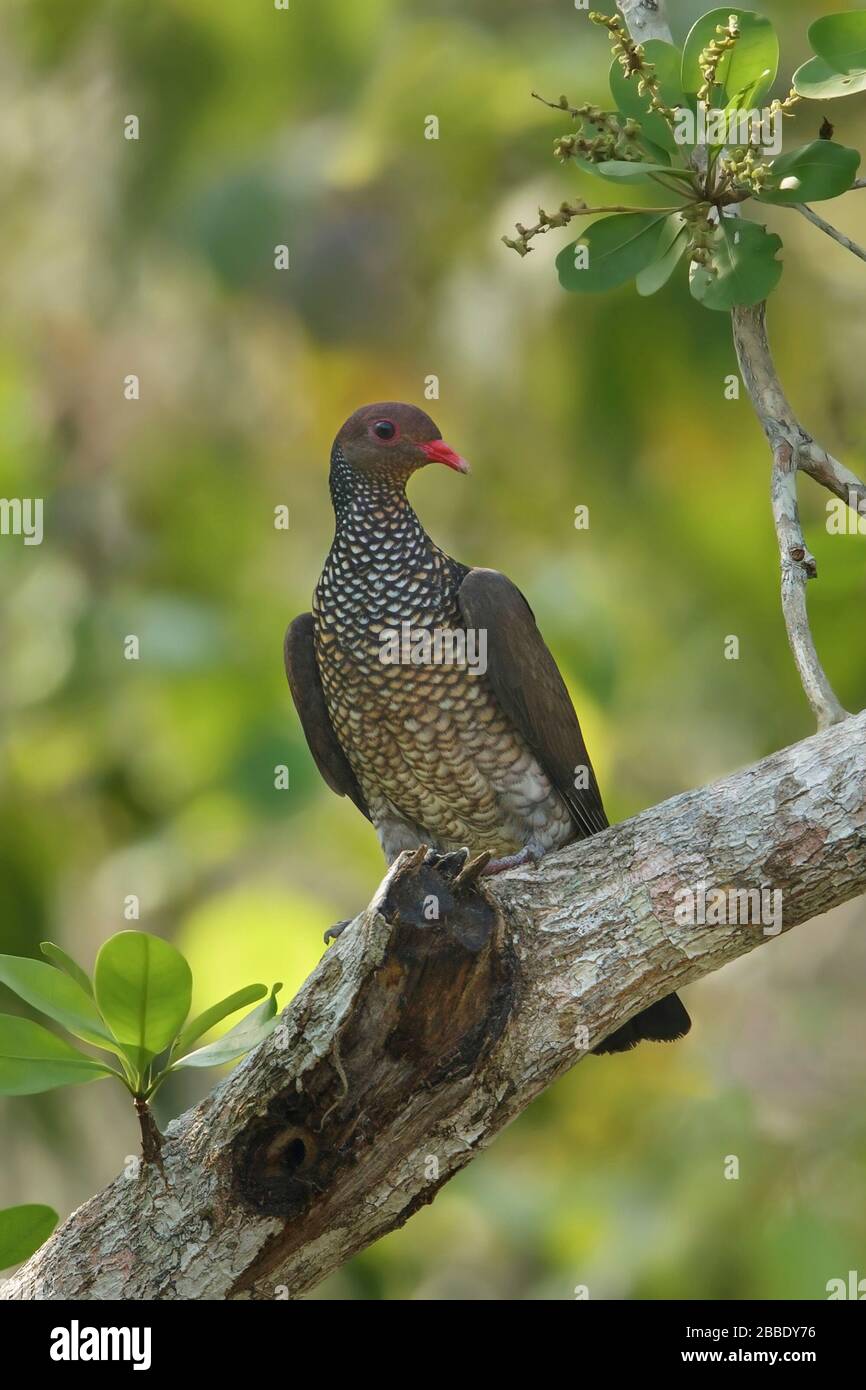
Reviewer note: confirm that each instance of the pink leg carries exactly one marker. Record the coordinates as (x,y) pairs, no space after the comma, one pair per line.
(530,854)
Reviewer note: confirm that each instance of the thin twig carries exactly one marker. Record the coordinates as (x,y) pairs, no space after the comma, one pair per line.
(151,1138)
(830,230)
(833,475)
(561,105)
(562,217)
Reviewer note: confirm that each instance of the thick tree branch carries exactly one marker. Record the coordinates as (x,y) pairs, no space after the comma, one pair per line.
(415,1041)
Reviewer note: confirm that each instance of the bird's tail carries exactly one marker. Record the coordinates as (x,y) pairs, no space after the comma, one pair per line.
(661,1022)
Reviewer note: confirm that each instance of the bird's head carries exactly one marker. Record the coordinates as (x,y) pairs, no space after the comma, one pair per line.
(388,442)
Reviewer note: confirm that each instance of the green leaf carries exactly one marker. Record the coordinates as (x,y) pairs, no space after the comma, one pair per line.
(752,63)
(658,154)
(64,962)
(746,98)
(56,995)
(22,1230)
(33,1060)
(618,248)
(216,1013)
(624,90)
(672,244)
(746,269)
(633,171)
(253,1029)
(840,39)
(818,170)
(143,988)
(817,81)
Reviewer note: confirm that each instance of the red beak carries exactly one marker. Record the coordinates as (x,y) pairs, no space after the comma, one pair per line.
(439,452)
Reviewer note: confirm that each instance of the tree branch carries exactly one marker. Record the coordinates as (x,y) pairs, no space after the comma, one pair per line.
(415,1042)
(824,226)
(646,19)
(798,567)
(793,448)
(776,415)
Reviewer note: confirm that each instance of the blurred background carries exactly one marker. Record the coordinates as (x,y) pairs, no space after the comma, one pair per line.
(155,777)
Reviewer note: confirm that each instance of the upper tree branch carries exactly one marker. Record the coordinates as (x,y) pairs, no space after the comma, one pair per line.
(776,414)
(798,567)
(827,227)
(646,19)
(793,448)
(416,1041)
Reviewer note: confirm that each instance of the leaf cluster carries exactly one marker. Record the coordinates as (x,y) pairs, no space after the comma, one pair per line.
(135,1008)
(727,66)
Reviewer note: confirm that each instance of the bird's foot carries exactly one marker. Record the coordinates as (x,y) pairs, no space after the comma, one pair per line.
(337,930)
(530,854)
(467,870)
(455,866)
(441,889)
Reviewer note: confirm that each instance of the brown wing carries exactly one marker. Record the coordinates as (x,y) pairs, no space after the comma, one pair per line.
(306,687)
(529,688)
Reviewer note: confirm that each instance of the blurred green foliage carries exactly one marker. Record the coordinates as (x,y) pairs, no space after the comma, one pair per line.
(156,777)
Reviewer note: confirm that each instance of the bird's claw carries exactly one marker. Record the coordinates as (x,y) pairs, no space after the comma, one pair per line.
(436,888)
(473,868)
(336,930)
(448,862)
(456,865)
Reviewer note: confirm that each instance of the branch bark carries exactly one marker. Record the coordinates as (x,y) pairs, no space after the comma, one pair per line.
(414,1042)
(776,414)
(798,567)
(827,227)
(792,449)
(646,19)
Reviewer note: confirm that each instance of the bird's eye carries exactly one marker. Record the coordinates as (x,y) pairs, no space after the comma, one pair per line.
(385,429)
